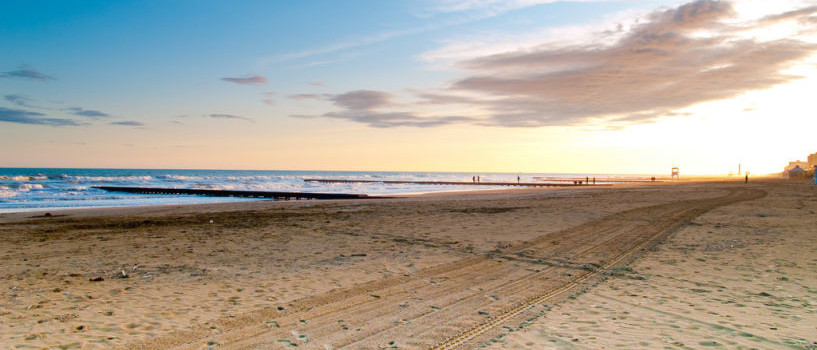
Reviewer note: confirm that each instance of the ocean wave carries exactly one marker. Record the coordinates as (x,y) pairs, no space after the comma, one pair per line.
(113,178)
(179,177)
(7,193)
(23,178)
(251,178)
(28,187)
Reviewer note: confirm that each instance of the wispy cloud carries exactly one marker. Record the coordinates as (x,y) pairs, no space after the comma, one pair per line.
(478,10)
(363,41)
(128,123)
(249,80)
(485,8)
(27,73)
(20,116)
(230,116)
(88,113)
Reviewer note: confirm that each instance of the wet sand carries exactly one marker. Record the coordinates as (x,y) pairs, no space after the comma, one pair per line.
(414,272)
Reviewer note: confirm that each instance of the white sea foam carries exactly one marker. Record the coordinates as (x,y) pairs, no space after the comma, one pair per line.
(27,187)
(180,177)
(113,178)
(23,178)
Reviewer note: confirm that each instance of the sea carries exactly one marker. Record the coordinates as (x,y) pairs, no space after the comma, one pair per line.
(29,189)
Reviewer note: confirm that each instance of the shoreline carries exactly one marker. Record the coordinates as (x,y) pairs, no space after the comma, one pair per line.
(428,194)
(73,188)
(250,201)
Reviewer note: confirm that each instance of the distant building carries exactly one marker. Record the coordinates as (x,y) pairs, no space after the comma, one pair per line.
(796,164)
(797,173)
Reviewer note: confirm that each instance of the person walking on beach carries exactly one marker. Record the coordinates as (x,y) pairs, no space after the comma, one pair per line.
(473,179)
(477,178)
(517,179)
(747,179)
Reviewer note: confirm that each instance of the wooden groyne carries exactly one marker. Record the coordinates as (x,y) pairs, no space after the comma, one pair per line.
(460,183)
(232,193)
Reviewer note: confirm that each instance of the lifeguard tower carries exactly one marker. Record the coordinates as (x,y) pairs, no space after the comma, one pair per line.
(675,173)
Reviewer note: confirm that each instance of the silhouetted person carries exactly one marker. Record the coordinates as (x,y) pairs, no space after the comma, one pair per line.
(746,181)
(594,180)
(478,178)
(473,179)
(518,179)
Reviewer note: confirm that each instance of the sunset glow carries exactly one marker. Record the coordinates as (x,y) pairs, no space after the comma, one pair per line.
(520,86)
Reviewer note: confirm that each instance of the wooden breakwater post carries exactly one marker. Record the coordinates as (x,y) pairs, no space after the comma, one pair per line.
(235,193)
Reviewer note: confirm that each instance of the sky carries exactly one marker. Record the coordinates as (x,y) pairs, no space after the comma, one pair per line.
(628,87)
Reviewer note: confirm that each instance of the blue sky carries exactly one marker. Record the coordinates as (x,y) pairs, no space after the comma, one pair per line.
(391,85)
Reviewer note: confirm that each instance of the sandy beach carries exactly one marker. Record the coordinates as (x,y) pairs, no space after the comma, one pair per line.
(671,265)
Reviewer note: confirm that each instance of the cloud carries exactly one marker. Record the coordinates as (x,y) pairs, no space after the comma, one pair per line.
(347,44)
(250,80)
(484,8)
(88,113)
(269,98)
(230,116)
(19,100)
(639,72)
(362,99)
(803,15)
(299,97)
(128,123)
(465,11)
(365,106)
(396,119)
(20,116)
(656,68)
(27,73)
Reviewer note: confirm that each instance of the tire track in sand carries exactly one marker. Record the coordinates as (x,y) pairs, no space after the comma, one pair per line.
(455,305)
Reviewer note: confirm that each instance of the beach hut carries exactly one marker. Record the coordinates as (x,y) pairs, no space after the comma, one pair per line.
(797,173)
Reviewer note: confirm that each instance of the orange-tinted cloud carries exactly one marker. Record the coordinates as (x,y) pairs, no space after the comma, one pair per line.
(673,59)
(658,67)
